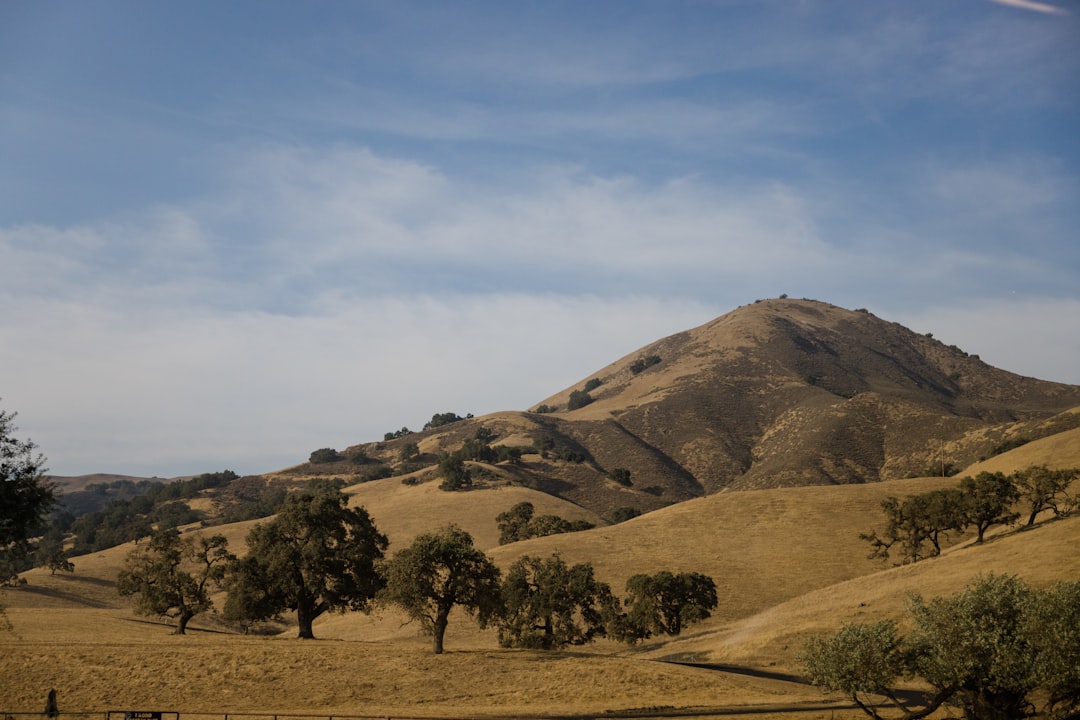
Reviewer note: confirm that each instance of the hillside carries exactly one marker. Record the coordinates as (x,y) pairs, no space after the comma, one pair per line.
(776,394)
(787,562)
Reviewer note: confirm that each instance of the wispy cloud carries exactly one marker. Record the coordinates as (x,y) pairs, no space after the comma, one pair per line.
(1033,6)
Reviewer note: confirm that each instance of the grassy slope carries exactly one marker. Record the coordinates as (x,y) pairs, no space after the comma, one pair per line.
(787,562)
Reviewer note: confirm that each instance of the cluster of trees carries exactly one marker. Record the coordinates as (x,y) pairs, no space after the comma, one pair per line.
(456,475)
(394,435)
(644,363)
(519,523)
(578,399)
(318,555)
(919,524)
(541,603)
(998,650)
(162,505)
(440,419)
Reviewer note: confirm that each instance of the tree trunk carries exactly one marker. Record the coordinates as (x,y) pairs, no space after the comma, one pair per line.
(182,621)
(438,631)
(304,617)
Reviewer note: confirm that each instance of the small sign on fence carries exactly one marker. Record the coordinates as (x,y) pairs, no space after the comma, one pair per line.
(142,715)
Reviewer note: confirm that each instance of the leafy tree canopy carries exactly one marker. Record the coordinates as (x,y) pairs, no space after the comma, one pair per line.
(999,649)
(519,523)
(25,497)
(437,572)
(548,604)
(173,576)
(665,603)
(316,555)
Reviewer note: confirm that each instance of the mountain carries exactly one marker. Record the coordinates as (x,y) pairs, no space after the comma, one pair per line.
(779,393)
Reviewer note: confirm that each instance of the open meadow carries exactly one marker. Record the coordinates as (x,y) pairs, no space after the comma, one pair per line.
(788,564)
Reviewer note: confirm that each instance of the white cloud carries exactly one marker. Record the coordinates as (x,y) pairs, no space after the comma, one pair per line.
(1034,6)
(324,297)
(101,391)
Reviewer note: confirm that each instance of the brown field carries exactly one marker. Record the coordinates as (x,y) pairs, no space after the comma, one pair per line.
(787,562)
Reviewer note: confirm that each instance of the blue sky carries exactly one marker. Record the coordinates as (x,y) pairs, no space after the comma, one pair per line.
(232,233)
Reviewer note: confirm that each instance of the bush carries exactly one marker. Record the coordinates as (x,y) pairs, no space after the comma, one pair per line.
(578,399)
(592,384)
(623,514)
(323,456)
(644,363)
(455,475)
(621,476)
(397,434)
(541,409)
(440,419)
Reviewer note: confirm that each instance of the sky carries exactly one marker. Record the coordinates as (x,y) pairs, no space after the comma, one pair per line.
(234,233)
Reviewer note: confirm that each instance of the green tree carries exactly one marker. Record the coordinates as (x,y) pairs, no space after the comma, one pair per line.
(919,523)
(578,399)
(1044,489)
(518,523)
(317,555)
(989,497)
(25,495)
(454,473)
(50,554)
(447,418)
(665,603)
(622,514)
(994,650)
(861,660)
(973,643)
(1052,627)
(173,576)
(409,451)
(514,523)
(548,604)
(323,456)
(438,572)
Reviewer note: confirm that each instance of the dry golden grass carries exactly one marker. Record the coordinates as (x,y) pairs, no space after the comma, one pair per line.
(772,638)
(403,511)
(1057,451)
(787,562)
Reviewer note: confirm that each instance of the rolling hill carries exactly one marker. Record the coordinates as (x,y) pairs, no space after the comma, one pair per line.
(774,394)
(761,444)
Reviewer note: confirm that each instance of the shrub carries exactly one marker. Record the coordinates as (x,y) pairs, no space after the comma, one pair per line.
(623,514)
(324,455)
(397,434)
(644,363)
(447,418)
(592,384)
(578,399)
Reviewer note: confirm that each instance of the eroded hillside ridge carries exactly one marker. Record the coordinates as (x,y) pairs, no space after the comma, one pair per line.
(779,393)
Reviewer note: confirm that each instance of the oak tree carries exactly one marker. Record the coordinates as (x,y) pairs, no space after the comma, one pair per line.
(548,604)
(173,576)
(999,649)
(317,555)
(1044,489)
(25,495)
(665,603)
(989,499)
(437,572)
